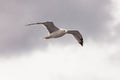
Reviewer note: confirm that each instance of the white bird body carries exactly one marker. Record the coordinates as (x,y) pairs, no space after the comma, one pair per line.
(56,32)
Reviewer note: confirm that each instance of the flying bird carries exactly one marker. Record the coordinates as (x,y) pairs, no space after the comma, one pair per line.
(55,32)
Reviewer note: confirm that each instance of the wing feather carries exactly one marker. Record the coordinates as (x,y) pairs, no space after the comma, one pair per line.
(49,25)
(77,35)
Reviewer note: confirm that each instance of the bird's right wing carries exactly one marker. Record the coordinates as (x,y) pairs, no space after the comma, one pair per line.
(77,35)
(33,24)
(49,25)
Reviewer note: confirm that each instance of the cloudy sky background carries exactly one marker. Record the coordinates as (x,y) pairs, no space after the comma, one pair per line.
(25,55)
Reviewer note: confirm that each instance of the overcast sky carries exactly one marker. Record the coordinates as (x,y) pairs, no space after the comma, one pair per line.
(24,55)
(91,18)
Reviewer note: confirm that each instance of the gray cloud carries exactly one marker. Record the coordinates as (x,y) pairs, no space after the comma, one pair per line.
(117,30)
(90,17)
(115,38)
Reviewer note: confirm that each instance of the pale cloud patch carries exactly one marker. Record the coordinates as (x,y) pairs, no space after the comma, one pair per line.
(66,63)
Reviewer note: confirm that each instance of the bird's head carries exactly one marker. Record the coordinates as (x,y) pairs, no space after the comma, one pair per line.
(65,30)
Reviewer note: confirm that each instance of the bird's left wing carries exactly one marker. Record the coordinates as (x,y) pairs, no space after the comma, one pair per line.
(77,35)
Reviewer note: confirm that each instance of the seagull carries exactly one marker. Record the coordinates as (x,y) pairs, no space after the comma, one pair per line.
(55,32)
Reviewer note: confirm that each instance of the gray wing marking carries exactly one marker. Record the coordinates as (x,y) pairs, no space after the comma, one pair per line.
(77,35)
(49,25)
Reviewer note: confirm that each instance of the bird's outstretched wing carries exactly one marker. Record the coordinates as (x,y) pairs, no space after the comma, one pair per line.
(49,25)
(77,35)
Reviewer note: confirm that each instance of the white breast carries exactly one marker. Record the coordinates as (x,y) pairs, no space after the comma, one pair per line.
(57,33)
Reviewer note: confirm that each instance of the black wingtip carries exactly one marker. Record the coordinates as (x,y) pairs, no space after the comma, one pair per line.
(28,25)
(81,43)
